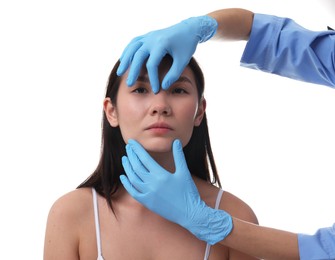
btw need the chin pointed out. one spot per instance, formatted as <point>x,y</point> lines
<point>158,145</point>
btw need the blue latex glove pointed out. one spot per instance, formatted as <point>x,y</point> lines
<point>172,196</point>
<point>179,40</point>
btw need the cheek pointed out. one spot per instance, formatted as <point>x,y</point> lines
<point>188,124</point>
<point>187,119</point>
<point>189,111</point>
<point>126,115</point>
<point>129,115</point>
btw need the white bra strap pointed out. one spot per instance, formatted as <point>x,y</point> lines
<point>218,199</point>
<point>96,220</point>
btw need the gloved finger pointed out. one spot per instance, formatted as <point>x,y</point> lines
<point>146,160</point>
<point>182,172</point>
<point>173,74</point>
<point>179,157</point>
<point>127,56</point>
<point>136,164</point>
<point>136,65</point>
<point>130,45</point>
<point>154,80</point>
<point>153,62</point>
<point>129,187</point>
<point>133,178</point>
<point>141,198</point>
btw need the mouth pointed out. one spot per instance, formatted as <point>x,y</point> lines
<point>160,125</point>
<point>160,128</point>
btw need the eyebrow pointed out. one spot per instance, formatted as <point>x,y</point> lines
<point>145,79</point>
<point>184,79</point>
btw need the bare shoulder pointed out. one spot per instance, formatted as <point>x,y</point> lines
<point>237,207</point>
<point>229,202</point>
<point>73,203</point>
<point>68,218</point>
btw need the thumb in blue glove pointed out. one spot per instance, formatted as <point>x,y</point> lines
<point>179,41</point>
<point>173,196</point>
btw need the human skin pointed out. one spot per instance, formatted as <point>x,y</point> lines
<point>233,24</point>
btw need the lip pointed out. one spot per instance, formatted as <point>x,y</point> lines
<point>159,125</point>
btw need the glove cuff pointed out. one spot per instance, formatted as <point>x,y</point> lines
<point>214,228</point>
<point>220,225</point>
<point>206,26</point>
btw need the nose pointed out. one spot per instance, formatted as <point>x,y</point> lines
<point>160,104</point>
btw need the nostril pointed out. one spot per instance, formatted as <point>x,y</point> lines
<point>161,110</point>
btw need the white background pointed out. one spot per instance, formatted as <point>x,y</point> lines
<point>273,138</point>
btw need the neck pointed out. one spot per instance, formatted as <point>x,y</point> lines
<point>165,160</point>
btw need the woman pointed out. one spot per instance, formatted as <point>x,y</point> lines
<point>116,226</point>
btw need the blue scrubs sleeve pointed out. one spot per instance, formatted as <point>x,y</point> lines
<point>319,246</point>
<point>281,46</point>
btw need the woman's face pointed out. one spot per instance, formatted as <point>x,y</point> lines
<point>155,120</point>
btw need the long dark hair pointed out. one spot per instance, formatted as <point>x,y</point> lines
<point>198,152</point>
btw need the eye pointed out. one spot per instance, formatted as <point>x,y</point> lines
<point>178,90</point>
<point>140,90</point>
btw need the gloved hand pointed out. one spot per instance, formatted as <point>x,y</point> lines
<point>179,40</point>
<point>173,196</point>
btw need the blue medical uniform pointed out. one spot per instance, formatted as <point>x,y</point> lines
<point>281,46</point>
